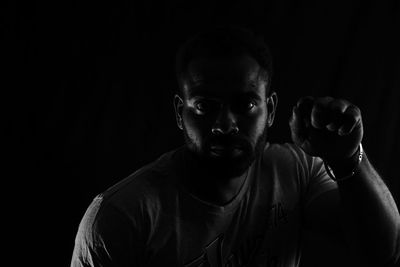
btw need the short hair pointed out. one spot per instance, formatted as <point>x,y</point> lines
<point>224,42</point>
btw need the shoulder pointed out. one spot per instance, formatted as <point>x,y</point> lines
<point>146,180</point>
<point>288,157</point>
<point>136,194</point>
<point>118,221</point>
<point>285,153</point>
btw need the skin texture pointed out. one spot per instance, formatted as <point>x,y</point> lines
<point>225,130</point>
<point>225,114</point>
<point>326,127</point>
<point>360,219</point>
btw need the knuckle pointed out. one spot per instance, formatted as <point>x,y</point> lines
<point>356,110</point>
<point>305,100</point>
<point>337,107</point>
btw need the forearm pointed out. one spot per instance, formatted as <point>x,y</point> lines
<point>332,129</point>
<point>371,220</point>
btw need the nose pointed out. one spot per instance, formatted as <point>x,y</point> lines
<point>226,123</point>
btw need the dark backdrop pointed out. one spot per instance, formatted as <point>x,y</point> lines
<point>88,91</point>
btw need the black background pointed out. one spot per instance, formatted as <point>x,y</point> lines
<point>88,87</point>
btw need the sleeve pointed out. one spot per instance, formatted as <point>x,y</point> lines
<point>314,180</point>
<point>106,238</point>
<point>319,181</point>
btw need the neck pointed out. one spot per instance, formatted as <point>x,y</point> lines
<point>209,186</point>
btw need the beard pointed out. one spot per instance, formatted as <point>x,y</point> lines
<point>224,167</point>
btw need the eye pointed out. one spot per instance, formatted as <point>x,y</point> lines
<point>201,105</point>
<point>250,105</point>
<point>246,105</point>
<point>205,106</point>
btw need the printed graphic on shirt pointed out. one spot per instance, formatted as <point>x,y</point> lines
<point>249,250</point>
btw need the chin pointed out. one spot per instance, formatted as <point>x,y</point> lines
<point>224,167</point>
<point>231,168</point>
<point>222,163</point>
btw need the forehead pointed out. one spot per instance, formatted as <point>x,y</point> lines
<point>224,77</point>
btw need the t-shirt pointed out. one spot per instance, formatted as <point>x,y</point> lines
<point>149,219</point>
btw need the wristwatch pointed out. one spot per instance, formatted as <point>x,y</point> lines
<point>349,175</point>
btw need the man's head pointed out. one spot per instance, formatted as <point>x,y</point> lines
<point>225,104</point>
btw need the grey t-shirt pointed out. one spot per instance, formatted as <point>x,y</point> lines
<point>149,219</point>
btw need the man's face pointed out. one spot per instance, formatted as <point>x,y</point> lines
<point>224,113</point>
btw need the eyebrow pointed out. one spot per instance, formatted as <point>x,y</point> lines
<point>252,94</point>
<point>209,93</point>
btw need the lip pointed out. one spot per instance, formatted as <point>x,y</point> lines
<point>226,147</point>
<point>226,151</point>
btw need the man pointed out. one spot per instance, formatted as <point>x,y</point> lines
<point>229,197</point>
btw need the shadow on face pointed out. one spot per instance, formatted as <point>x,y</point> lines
<point>225,110</point>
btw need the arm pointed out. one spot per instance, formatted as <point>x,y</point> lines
<point>105,238</point>
<point>371,220</point>
<point>362,209</point>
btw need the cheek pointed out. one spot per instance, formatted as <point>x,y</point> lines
<point>197,127</point>
<point>255,124</point>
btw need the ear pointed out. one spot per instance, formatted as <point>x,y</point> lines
<point>272,102</point>
<point>178,105</point>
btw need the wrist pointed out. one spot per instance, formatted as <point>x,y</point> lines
<point>345,168</point>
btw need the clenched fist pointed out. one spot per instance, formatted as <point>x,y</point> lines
<point>326,127</point>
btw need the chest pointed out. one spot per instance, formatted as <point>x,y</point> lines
<point>263,230</point>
